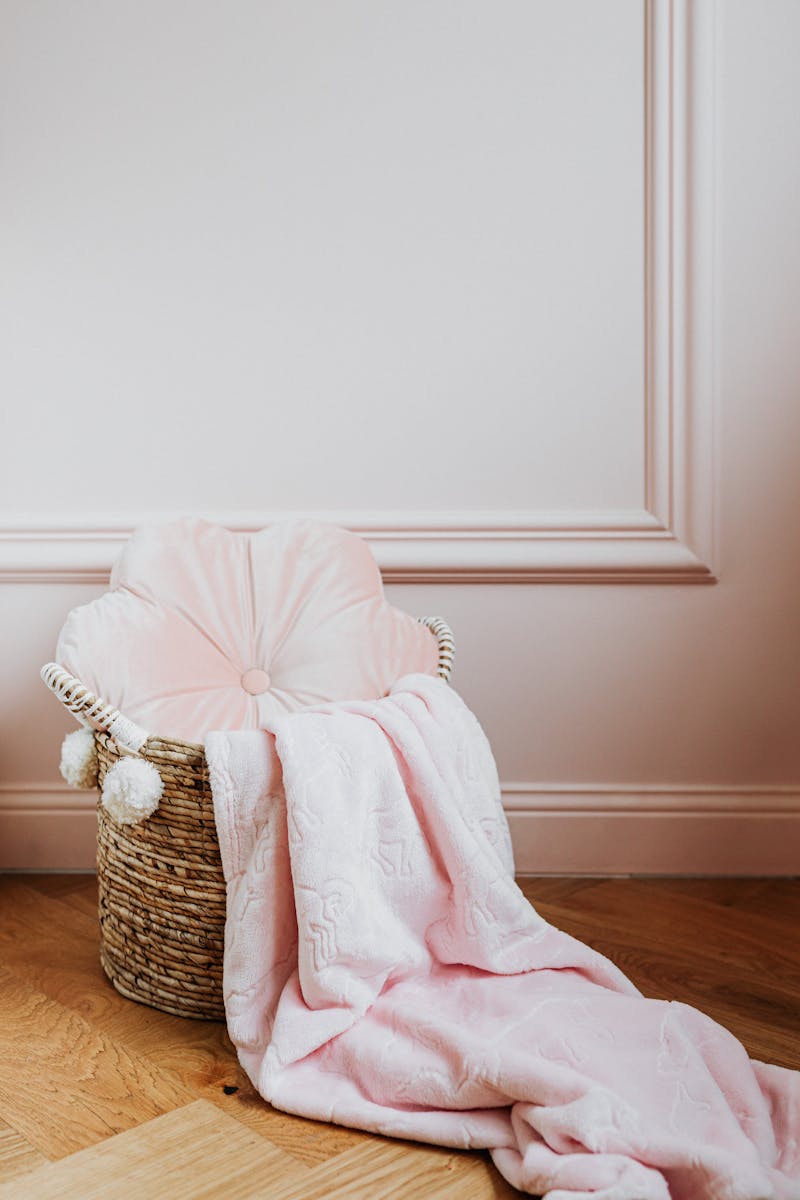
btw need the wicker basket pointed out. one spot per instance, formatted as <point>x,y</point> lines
<point>161,887</point>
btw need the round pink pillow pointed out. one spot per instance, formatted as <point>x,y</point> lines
<point>209,629</point>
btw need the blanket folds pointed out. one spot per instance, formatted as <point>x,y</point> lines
<point>383,971</point>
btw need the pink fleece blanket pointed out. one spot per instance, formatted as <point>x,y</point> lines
<point>383,971</point>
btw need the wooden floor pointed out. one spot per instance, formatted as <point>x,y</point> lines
<point>101,1097</point>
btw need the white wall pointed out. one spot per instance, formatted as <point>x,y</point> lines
<point>512,288</point>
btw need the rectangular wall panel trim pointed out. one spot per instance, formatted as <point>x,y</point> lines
<point>670,538</point>
<point>468,547</point>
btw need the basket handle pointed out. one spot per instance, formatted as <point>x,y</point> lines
<point>447,646</point>
<point>91,711</point>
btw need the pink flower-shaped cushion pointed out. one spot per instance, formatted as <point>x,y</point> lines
<point>208,629</point>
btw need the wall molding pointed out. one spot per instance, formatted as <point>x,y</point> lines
<point>601,798</point>
<point>670,538</point>
<point>607,829</point>
<point>570,829</point>
<point>465,547</point>
<point>680,253</point>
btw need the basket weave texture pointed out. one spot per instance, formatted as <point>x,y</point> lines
<point>161,888</point>
<point>161,885</point>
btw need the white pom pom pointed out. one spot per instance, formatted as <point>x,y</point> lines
<point>131,790</point>
<point>79,759</point>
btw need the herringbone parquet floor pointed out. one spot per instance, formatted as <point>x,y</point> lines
<point>101,1097</point>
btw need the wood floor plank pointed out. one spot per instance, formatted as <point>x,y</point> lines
<point>733,954</point>
<point>17,1155</point>
<point>395,1170</point>
<point>556,888</point>
<point>311,1142</point>
<point>729,935</point>
<point>65,1084</point>
<point>698,953</point>
<point>84,1067</point>
<point>693,926</point>
<point>54,885</point>
<point>54,949</point>
<point>84,898</point>
<point>189,1154</point>
<point>775,900</point>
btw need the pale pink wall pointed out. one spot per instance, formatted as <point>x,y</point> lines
<point>669,711</point>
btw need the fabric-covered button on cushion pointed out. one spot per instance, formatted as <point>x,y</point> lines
<point>209,629</point>
<point>255,681</point>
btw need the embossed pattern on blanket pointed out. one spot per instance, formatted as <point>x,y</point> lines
<point>383,971</point>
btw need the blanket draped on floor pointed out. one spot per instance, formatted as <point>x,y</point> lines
<point>383,971</point>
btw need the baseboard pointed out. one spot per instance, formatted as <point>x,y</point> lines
<point>656,844</point>
<point>606,829</point>
<point>46,827</point>
<point>571,829</point>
